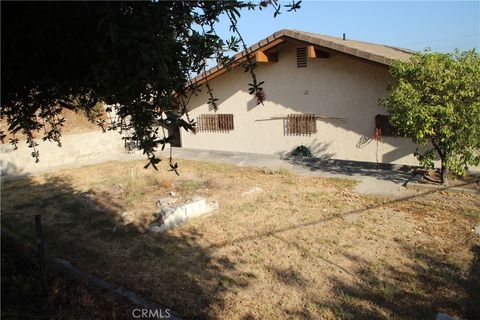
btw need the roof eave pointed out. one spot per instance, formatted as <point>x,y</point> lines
<point>298,36</point>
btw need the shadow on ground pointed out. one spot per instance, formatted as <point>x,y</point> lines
<point>420,289</point>
<point>381,171</point>
<point>175,270</point>
<point>416,290</point>
<point>171,269</point>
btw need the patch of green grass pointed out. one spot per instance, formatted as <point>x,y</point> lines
<point>246,206</point>
<point>418,290</point>
<point>312,196</point>
<point>385,289</point>
<point>358,224</point>
<point>279,171</point>
<point>381,235</point>
<point>190,185</point>
<point>337,215</point>
<point>224,279</point>
<point>346,297</point>
<point>134,196</point>
<point>475,213</point>
<point>341,313</point>
<point>328,241</point>
<point>205,167</point>
<point>344,183</point>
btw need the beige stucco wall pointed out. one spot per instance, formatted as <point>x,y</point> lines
<point>340,86</point>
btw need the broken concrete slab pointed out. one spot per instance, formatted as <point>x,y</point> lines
<point>171,217</point>
<point>197,207</point>
<point>166,202</point>
<point>154,227</point>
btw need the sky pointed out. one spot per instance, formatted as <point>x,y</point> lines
<point>442,25</point>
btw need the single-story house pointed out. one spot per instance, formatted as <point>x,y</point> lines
<point>321,92</point>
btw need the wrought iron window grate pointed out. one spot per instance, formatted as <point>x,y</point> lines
<point>215,123</point>
<point>301,124</point>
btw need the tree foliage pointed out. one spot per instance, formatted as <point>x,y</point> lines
<point>135,56</point>
<point>436,102</point>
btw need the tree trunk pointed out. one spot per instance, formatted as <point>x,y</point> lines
<point>443,156</point>
<point>443,173</point>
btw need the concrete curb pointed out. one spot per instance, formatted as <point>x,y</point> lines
<point>429,187</point>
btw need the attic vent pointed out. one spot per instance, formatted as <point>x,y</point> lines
<point>301,57</point>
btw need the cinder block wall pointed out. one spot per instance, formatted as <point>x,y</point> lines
<point>80,148</point>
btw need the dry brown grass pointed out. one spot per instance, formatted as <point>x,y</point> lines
<point>75,122</point>
<point>305,247</point>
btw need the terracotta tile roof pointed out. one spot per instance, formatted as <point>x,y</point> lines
<point>374,52</point>
<point>371,51</point>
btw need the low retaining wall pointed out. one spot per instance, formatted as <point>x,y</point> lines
<point>81,148</point>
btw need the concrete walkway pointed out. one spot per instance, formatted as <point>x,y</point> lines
<point>375,179</point>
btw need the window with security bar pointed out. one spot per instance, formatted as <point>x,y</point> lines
<point>301,124</point>
<point>383,128</point>
<point>214,123</point>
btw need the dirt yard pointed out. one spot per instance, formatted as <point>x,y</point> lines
<point>301,248</point>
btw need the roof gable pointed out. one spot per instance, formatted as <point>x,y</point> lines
<point>378,53</point>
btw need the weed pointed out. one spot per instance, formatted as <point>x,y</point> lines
<point>189,185</point>
<point>246,206</point>
<point>345,297</point>
<point>150,181</point>
<point>472,213</point>
<point>341,313</point>
<point>328,241</point>
<point>217,167</point>
<point>133,197</point>
<point>343,183</point>
<point>312,196</point>
<point>280,171</point>
<point>385,289</point>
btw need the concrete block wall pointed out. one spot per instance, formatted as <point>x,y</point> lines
<point>80,148</point>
